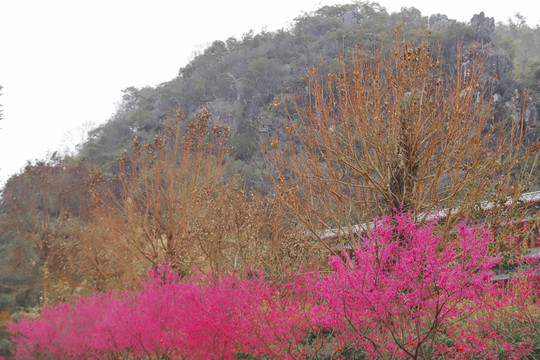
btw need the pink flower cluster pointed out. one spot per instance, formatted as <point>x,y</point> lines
<point>403,295</point>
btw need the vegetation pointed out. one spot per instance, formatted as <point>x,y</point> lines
<point>394,131</point>
<point>170,203</point>
<point>392,300</point>
<point>359,114</point>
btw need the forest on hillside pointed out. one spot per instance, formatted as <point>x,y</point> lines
<point>263,142</point>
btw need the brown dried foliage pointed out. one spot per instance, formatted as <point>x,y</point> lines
<point>174,203</point>
<point>43,205</point>
<point>392,132</point>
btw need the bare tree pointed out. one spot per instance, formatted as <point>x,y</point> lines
<point>174,202</point>
<point>393,131</point>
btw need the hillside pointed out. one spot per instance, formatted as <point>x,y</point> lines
<point>241,78</point>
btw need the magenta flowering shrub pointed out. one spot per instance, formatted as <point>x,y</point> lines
<point>188,319</point>
<point>81,330</point>
<point>203,318</point>
<point>403,295</point>
<point>406,295</point>
<point>283,326</point>
<point>513,327</point>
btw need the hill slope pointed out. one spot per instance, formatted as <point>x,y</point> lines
<point>241,78</point>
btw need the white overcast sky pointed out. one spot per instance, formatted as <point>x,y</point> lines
<point>63,64</point>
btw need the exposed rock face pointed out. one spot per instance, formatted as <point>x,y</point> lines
<point>438,20</point>
<point>501,63</point>
<point>531,117</point>
<point>350,18</point>
<point>509,103</point>
<point>485,28</point>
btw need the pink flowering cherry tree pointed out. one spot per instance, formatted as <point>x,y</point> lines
<point>404,294</point>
